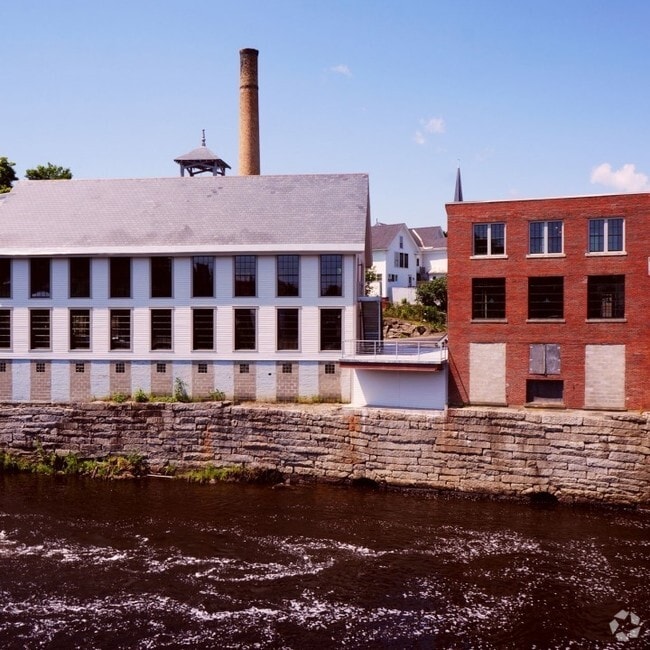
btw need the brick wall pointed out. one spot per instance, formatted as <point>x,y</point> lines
<point>202,382</point>
<point>40,381</point>
<point>573,333</point>
<point>80,381</point>
<point>6,384</point>
<point>120,382</point>
<point>161,381</point>
<point>287,381</point>
<point>329,383</point>
<point>576,456</point>
<point>245,380</point>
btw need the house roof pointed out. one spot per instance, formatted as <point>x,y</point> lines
<point>209,213</point>
<point>383,234</point>
<point>430,237</point>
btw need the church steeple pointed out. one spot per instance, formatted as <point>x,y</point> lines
<point>201,160</point>
<point>458,192</point>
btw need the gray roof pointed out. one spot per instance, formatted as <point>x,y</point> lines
<point>183,215</point>
<point>430,237</point>
<point>384,233</point>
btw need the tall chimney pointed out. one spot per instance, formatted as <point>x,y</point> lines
<point>249,119</point>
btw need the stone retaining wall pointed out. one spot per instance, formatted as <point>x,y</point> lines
<point>575,456</point>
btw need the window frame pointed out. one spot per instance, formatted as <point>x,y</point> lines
<point>330,341</point>
<point>42,275</point>
<point>115,330</point>
<point>79,277</point>
<point>5,328</point>
<point>490,239</point>
<point>291,286</point>
<point>5,277</point>
<point>245,276</point>
<point>331,268</point>
<point>546,237</point>
<point>120,275</point>
<point>195,337</point>
<point>290,336</point>
<point>161,329</point>
<point>597,286</point>
<point>161,276</point>
<point>542,302</point>
<point>46,314</point>
<point>244,341</point>
<point>203,283</point>
<point>605,236</point>
<point>71,329</point>
<point>498,298</point>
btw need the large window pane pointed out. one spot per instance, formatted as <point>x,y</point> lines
<point>79,277</point>
<point>79,329</point>
<point>161,277</point>
<point>245,275</point>
<point>5,278</point>
<point>5,328</point>
<point>331,275</point>
<point>39,329</point>
<point>245,329</point>
<point>120,329</point>
<point>288,272</point>
<point>161,329</point>
<point>546,297</point>
<point>287,329</point>
<point>488,298</point>
<point>203,276</point>
<point>120,277</point>
<point>39,277</point>
<point>330,329</point>
<point>202,329</point>
<point>606,296</point>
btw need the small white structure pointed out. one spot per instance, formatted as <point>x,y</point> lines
<point>432,245</point>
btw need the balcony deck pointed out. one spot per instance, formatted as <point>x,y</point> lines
<point>396,354</point>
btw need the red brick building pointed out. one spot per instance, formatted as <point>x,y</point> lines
<point>549,302</point>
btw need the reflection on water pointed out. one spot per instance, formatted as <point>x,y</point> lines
<point>165,564</point>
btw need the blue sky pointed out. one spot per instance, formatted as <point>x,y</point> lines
<point>533,98</point>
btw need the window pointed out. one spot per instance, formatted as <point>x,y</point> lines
<point>545,237</point>
<point>5,328</point>
<point>287,368</point>
<point>5,278</point>
<point>287,329</point>
<point>39,329</point>
<point>39,277</point>
<point>120,277</point>
<point>546,297</point>
<point>401,241</point>
<point>544,391</point>
<point>161,277</point>
<point>606,296</point>
<point>80,367</point>
<point>80,329</point>
<point>401,260</point>
<point>392,277</point>
<point>489,239</point>
<point>161,329</point>
<point>120,329</point>
<point>488,298</point>
<point>202,368</point>
<point>3,366</point>
<point>120,368</point>
<point>606,235</point>
<point>330,369</point>
<point>288,272</point>
<point>330,329</point>
<point>79,277</point>
<point>245,275</point>
<point>244,329</point>
<point>244,368</point>
<point>331,275</point>
<point>203,329</point>
<point>544,359</point>
<point>40,366</point>
<point>161,368</point>
<point>202,277</point>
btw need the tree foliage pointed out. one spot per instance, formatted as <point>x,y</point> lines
<point>7,174</point>
<point>48,172</point>
<point>371,277</point>
<point>433,294</point>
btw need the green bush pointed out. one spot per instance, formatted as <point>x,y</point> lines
<point>140,396</point>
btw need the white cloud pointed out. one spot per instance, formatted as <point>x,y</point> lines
<point>625,179</point>
<point>435,125</point>
<point>341,69</point>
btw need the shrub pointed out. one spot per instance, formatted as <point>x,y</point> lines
<point>140,396</point>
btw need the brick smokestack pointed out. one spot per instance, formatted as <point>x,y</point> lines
<point>249,119</point>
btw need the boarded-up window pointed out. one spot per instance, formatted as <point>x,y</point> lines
<point>544,359</point>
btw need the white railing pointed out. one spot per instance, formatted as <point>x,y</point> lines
<point>395,351</point>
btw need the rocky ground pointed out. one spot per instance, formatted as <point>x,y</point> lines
<point>394,328</point>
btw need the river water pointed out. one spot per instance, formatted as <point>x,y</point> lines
<point>156,563</point>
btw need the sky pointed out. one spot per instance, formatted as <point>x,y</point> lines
<point>531,98</point>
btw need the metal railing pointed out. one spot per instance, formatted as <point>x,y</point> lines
<point>395,351</point>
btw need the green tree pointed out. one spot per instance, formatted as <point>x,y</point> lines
<point>371,276</point>
<point>7,174</point>
<point>48,172</point>
<point>433,294</point>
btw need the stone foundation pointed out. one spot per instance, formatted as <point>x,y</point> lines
<point>575,456</point>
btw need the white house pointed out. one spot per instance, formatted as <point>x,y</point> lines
<point>432,245</point>
<point>248,285</point>
<point>396,259</point>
